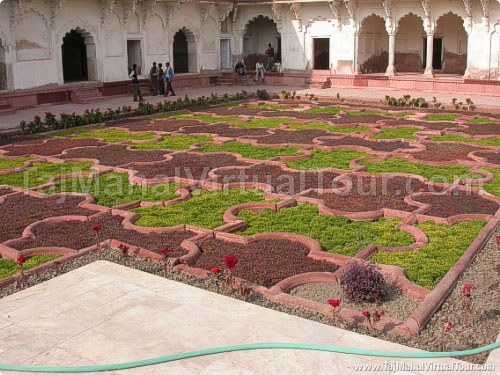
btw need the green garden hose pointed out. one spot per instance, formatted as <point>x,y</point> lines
<point>237,348</point>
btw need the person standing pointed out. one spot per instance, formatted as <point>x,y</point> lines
<point>169,77</point>
<point>259,70</point>
<point>135,82</point>
<point>240,68</point>
<point>270,57</point>
<point>153,80</point>
<point>161,88</point>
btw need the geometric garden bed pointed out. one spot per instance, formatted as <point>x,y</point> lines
<point>296,191</point>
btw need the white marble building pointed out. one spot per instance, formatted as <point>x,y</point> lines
<point>44,42</point>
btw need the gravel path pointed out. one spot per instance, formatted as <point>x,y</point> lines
<point>397,305</point>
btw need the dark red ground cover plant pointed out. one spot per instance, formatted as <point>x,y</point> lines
<point>192,166</point>
<point>445,151</point>
<point>386,146</point>
<point>114,155</point>
<point>225,130</point>
<point>370,193</point>
<point>78,235</point>
<point>282,136</point>
<point>23,210</point>
<point>52,147</point>
<point>458,203</point>
<point>284,182</point>
<point>264,262</point>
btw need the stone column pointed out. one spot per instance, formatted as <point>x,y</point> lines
<point>356,53</point>
<point>391,69</point>
<point>429,71</point>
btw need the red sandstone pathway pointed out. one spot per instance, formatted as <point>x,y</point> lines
<point>350,93</point>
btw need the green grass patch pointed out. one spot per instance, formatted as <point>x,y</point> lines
<point>173,143</point>
<point>68,132</point>
<point>113,189</point>
<point>482,120</point>
<point>339,159</point>
<point>272,123</point>
<point>457,138</point>
<point>428,265</point>
<point>253,152</point>
<point>330,128</point>
<point>493,187</point>
<point>445,174</point>
<point>396,133</point>
<point>331,110</point>
<point>440,117</point>
<point>209,119</point>
<point>9,268</point>
<point>335,234</point>
<point>41,173</point>
<point>204,209</point>
<point>365,112</point>
<point>274,107</point>
<point>399,115</point>
<point>168,115</point>
<point>11,164</point>
<point>115,135</point>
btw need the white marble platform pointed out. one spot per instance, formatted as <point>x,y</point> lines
<point>104,313</point>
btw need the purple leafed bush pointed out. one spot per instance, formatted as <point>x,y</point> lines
<point>363,282</point>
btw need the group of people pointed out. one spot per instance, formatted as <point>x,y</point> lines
<point>259,66</point>
<point>160,81</point>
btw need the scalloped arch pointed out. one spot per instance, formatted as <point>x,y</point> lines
<point>368,16</point>
<point>113,13</point>
<point>270,18</point>
<point>450,12</point>
<point>186,30</point>
<point>410,13</point>
<point>82,27</point>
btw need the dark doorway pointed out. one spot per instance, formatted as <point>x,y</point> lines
<point>437,53</point>
<point>181,61</point>
<point>74,56</point>
<point>3,68</point>
<point>322,53</point>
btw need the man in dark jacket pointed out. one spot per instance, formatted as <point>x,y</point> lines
<point>135,82</point>
<point>240,68</point>
<point>161,86</point>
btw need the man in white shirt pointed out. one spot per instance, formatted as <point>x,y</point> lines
<point>259,70</point>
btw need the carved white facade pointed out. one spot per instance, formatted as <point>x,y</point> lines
<point>357,36</point>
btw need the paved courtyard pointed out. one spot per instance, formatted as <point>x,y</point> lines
<point>104,313</point>
<point>370,95</point>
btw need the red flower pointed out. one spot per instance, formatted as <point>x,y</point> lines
<point>231,262</point>
<point>334,302</point>
<point>165,250</point>
<point>57,263</point>
<point>448,326</point>
<point>97,228</point>
<point>468,289</point>
<point>215,270</point>
<point>497,238</point>
<point>124,249</point>
<point>366,313</point>
<point>21,260</point>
